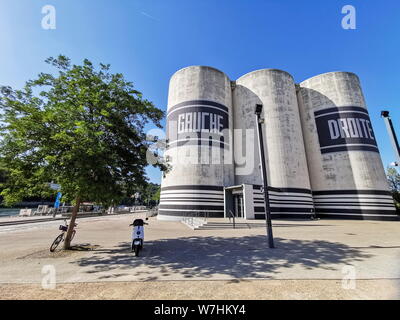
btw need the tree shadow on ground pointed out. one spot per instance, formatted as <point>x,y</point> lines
<point>208,256</point>
<point>83,247</point>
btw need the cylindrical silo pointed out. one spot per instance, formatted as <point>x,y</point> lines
<point>346,172</point>
<point>199,121</point>
<point>287,171</point>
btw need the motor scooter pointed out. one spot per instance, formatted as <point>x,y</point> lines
<point>137,235</point>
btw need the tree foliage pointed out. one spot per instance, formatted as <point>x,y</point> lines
<point>394,183</point>
<point>394,179</point>
<point>151,193</point>
<point>82,128</point>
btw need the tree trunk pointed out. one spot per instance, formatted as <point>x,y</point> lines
<point>67,241</point>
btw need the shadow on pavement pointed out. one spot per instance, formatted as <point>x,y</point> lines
<point>237,257</point>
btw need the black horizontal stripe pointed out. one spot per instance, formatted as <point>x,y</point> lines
<point>191,200</point>
<point>357,217</point>
<point>354,198</point>
<point>341,109</point>
<point>291,200</point>
<point>193,187</point>
<point>349,148</point>
<point>295,190</point>
<point>355,201</point>
<point>347,192</point>
<point>330,216</point>
<point>289,190</point>
<point>198,196</point>
<point>353,211</point>
<point>218,214</point>
<point>284,209</point>
<point>276,215</point>
<point>198,103</point>
<point>343,204</point>
<point>371,204</point>
<point>173,116</point>
<point>358,214</point>
<point>283,197</point>
<point>335,205</point>
<point>192,194</point>
<point>285,193</point>
<point>283,202</point>
<point>190,207</point>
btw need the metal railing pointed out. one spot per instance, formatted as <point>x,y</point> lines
<point>152,212</point>
<point>231,215</point>
<point>196,219</point>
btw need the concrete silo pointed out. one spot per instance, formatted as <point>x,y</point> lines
<point>287,171</point>
<point>346,172</point>
<point>199,120</point>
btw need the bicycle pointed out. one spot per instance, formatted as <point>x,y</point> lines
<point>61,237</point>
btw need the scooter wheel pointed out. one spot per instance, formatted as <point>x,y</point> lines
<point>136,251</point>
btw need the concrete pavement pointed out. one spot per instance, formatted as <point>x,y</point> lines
<point>307,252</point>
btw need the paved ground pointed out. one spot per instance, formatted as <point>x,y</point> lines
<point>312,259</point>
<point>207,290</point>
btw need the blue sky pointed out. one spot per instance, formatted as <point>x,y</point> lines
<point>149,40</point>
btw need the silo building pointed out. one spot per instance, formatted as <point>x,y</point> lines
<point>320,149</point>
<point>199,121</point>
<point>346,172</point>
<point>289,183</point>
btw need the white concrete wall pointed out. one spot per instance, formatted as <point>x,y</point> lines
<point>248,201</point>
<point>286,161</point>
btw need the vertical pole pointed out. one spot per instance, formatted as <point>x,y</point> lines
<point>264,177</point>
<point>392,134</point>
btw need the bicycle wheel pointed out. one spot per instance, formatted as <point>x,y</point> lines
<point>56,242</point>
<point>73,234</point>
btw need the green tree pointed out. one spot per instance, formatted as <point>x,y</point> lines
<point>394,182</point>
<point>393,178</point>
<point>3,179</point>
<point>156,195</point>
<point>82,128</point>
<point>149,193</point>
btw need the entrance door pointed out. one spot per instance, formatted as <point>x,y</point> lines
<point>238,205</point>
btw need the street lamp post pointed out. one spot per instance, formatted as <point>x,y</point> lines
<point>264,176</point>
<point>392,135</point>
